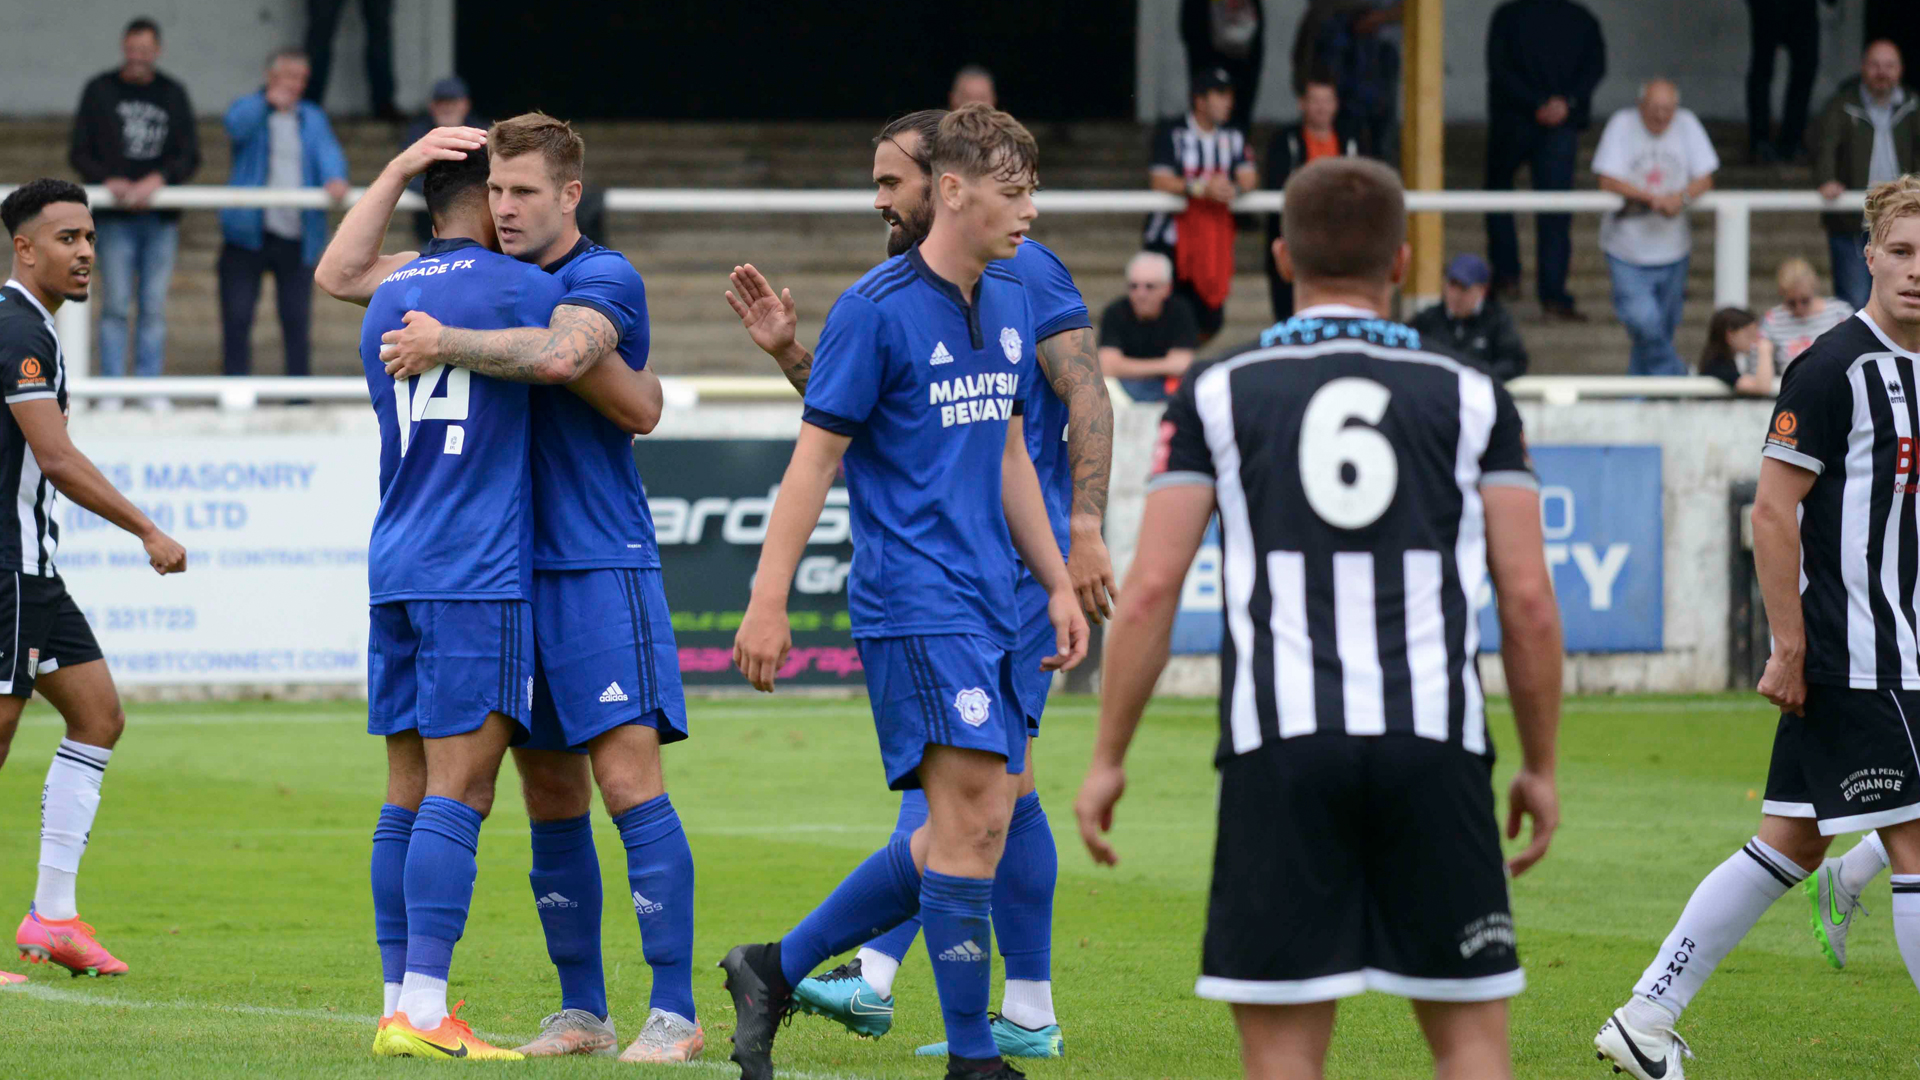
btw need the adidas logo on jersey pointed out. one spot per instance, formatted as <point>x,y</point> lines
<point>555,900</point>
<point>940,355</point>
<point>612,694</point>
<point>966,951</point>
<point>644,906</point>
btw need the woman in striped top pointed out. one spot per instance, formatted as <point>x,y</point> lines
<point>1802,315</point>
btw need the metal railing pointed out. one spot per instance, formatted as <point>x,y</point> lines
<point>1732,213</point>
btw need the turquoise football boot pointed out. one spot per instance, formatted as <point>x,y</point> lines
<point>1014,1041</point>
<point>843,995</point>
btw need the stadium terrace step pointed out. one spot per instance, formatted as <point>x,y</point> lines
<point>685,257</point>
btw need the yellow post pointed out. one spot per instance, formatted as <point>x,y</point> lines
<point>1422,139</point>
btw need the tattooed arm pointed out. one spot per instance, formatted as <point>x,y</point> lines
<point>1072,367</point>
<point>560,352</point>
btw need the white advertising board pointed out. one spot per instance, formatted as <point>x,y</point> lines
<point>275,528</point>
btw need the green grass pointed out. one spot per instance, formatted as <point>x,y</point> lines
<point>228,867</point>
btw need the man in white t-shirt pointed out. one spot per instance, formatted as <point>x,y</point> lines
<point>1659,158</point>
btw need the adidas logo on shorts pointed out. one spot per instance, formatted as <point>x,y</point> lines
<point>965,951</point>
<point>644,906</point>
<point>612,693</point>
<point>555,900</point>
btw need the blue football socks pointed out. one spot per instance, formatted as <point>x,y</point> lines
<point>660,873</point>
<point>439,884</point>
<point>956,913</point>
<point>566,893</point>
<point>877,896</point>
<point>913,814</point>
<point>389,875</point>
<point>1023,893</point>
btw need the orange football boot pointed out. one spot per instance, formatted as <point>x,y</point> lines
<point>453,1039</point>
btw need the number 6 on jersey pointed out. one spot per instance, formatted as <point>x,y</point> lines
<point>1349,472</point>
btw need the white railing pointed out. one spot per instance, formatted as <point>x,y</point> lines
<point>1732,248</point>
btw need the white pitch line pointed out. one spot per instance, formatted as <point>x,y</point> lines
<point>72,997</point>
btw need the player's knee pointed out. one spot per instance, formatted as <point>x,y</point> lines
<point>554,795</point>
<point>102,728</point>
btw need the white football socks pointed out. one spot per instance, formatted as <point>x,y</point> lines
<point>424,999</point>
<point>878,969</point>
<point>393,999</point>
<point>67,806</point>
<point>1859,866</point>
<point>1028,1002</point>
<point>1721,911</point>
<point>1906,921</point>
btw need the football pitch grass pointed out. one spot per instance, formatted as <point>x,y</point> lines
<point>228,867</point>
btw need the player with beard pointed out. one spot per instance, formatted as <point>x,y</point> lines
<point>52,649</point>
<point>1069,429</point>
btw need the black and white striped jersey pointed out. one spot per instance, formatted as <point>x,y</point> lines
<point>1181,149</point>
<point>31,369</point>
<point>1847,413</point>
<point>1347,464</point>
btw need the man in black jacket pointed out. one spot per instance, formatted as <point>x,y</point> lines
<point>1544,59</point>
<point>1472,324</point>
<point>134,133</point>
<point>1317,135</point>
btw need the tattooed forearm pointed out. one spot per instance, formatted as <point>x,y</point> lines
<point>559,352</point>
<point>1072,365</point>
<point>797,365</point>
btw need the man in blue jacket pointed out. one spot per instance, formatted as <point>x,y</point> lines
<point>279,141</point>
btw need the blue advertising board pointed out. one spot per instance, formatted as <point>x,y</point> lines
<point>1600,514</point>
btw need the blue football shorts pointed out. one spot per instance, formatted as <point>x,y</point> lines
<point>605,657</point>
<point>1037,642</point>
<point>944,690</point>
<point>440,666</point>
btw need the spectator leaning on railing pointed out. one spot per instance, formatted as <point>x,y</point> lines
<point>1147,337</point>
<point>1209,161</point>
<point>1733,354</point>
<point>279,141</point>
<point>1659,158</point>
<point>1317,135</point>
<point>1869,134</point>
<point>1471,323</point>
<point>134,133</point>
<point>1802,315</point>
<point>1544,59</point>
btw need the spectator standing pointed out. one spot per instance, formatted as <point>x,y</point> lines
<point>1471,323</point>
<point>1795,26</point>
<point>1147,337</point>
<point>1229,35</point>
<point>1659,158</point>
<point>1803,314</point>
<point>1733,354</point>
<point>1207,159</point>
<point>323,21</point>
<point>1869,134</point>
<point>134,133</point>
<point>1317,135</point>
<point>279,141</point>
<point>1357,43</point>
<point>970,84</point>
<point>1544,59</point>
<point>448,105</point>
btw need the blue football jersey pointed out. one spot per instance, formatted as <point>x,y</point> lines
<point>924,383</point>
<point>1057,307</point>
<point>590,510</point>
<point>455,518</point>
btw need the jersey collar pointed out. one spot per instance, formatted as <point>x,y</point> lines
<point>15,285</point>
<point>1335,311</point>
<point>1863,317</point>
<point>951,291</point>
<point>580,247</point>
<point>437,246</point>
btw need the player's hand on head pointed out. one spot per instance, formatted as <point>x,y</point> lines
<point>1070,632</point>
<point>440,144</point>
<point>1099,794</point>
<point>761,645</point>
<point>413,348</point>
<point>767,316</point>
<point>1092,571</point>
<point>1784,683</point>
<point>1533,795</point>
<point>165,553</point>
